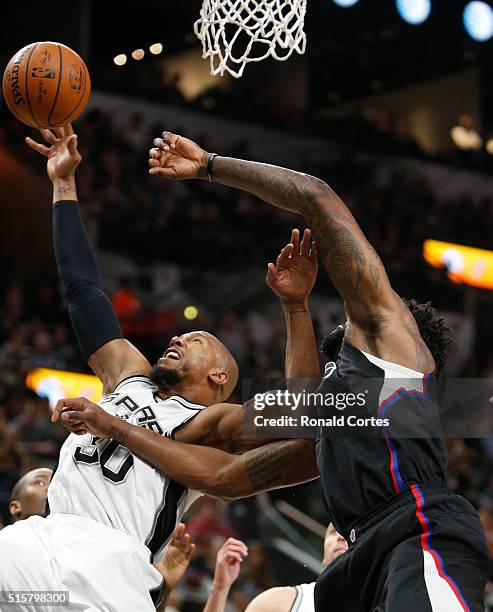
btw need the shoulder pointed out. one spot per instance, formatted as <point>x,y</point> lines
<point>273,600</point>
<point>133,382</point>
<point>182,402</point>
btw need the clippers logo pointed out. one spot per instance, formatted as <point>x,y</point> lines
<point>330,368</point>
<point>13,78</point>
<point>43,73</point>
<point>76,79</point>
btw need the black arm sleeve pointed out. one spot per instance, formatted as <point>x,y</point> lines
<point>91,312</point>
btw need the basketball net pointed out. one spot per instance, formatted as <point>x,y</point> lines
<point>272,27</point>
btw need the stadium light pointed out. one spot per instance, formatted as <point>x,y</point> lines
<point>156,48</point>
<point>489,146</point>
<point>138,54</point>
<point>190,313</point>
<point>120,60</point>
<point>414,11</point>
<point>478,20</point>
<point>345,3</point>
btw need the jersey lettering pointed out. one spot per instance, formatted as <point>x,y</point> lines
<point>91,455</point>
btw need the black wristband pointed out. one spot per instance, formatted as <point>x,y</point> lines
<point>210,166</point>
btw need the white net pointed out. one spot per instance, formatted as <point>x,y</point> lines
<point>234,33</point>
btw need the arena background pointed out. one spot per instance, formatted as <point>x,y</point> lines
<point>369,108</point>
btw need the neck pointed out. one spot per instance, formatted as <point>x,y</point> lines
<point>204,397</point>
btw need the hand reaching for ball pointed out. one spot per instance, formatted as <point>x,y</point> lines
<point>62,153</point>
<point>176,157</point>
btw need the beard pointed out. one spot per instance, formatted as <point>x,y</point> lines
<point>164,378</point>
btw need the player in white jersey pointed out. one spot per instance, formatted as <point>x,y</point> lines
<point>300,597</point>
<point>111,511</point>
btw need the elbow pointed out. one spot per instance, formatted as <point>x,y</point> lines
<point>223,486</point>
<point>321,193</point>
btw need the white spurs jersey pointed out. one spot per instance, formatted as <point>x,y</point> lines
<point>103,481</point>
<point>304,601</point>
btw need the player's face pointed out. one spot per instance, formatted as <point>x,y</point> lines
<point>190,355</point>
<point>33,497</point>
<point>334,545</point>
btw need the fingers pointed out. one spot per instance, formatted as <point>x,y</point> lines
<point>60,132</point>
<point>295,240</point>
<point>36,146</point>
<point>188,547</point>
<point>154,153</point>
<point>305,243</point>
<point>232,558</point>
<point>69,130</point>
<point>57,411</point>
<point>178,533</point>
<point>170,139</point>
<point>71,417</point>
<point>74,403</point>
<point>165,172</point>
<point>72,144</point>
<point>285,254</point>
<point>313,252</point>
<point>233,545</point>
<point>160,144</point>
<point>48,135</point>
<point>271,274</point>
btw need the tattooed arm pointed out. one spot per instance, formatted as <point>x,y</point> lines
<point>275,465</point>
<point>220,474</point>
<point>378,320</point>
<point>349,259</point>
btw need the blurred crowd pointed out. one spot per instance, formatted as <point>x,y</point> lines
<point>201,227</point>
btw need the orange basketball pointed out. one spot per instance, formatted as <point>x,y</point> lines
<point>46,84</point>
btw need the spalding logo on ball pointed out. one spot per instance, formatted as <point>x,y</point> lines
<point>46,85</point>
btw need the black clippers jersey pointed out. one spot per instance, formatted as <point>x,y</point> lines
<point>361,470</point>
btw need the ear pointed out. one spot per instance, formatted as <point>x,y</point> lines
<point>219,377</point>
<point>15,508</point>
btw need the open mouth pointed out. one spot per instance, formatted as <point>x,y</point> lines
<point>172,354</point>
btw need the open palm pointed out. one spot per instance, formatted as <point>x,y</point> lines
<point>62,154</point>
<point>177,558</point>
<point>293,276</point>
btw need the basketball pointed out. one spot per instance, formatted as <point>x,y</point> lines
<point>46,85</point>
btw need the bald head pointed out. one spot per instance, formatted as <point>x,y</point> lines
<point>227,363</point>
<point>198,366</point>
<point>29,494</point>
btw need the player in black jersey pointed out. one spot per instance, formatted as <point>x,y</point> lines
<point>412,542</point>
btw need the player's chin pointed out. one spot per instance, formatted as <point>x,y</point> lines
<point>165,373</point>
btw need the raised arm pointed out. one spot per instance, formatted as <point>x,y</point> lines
<point>93,319</point>
<point>351,262</point>
<point>378,320</point>
<point>215,472</point>
<point>291,278</point>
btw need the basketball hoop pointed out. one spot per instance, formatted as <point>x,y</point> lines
<point>268,28</point>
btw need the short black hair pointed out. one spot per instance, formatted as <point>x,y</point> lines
<point>331,343</point>
<point>437,335</point>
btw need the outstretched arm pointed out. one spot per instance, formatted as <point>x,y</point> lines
<point>349,259</point>
<point>94,321</point>
<point>378,320</point>
<point>215,472</point>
